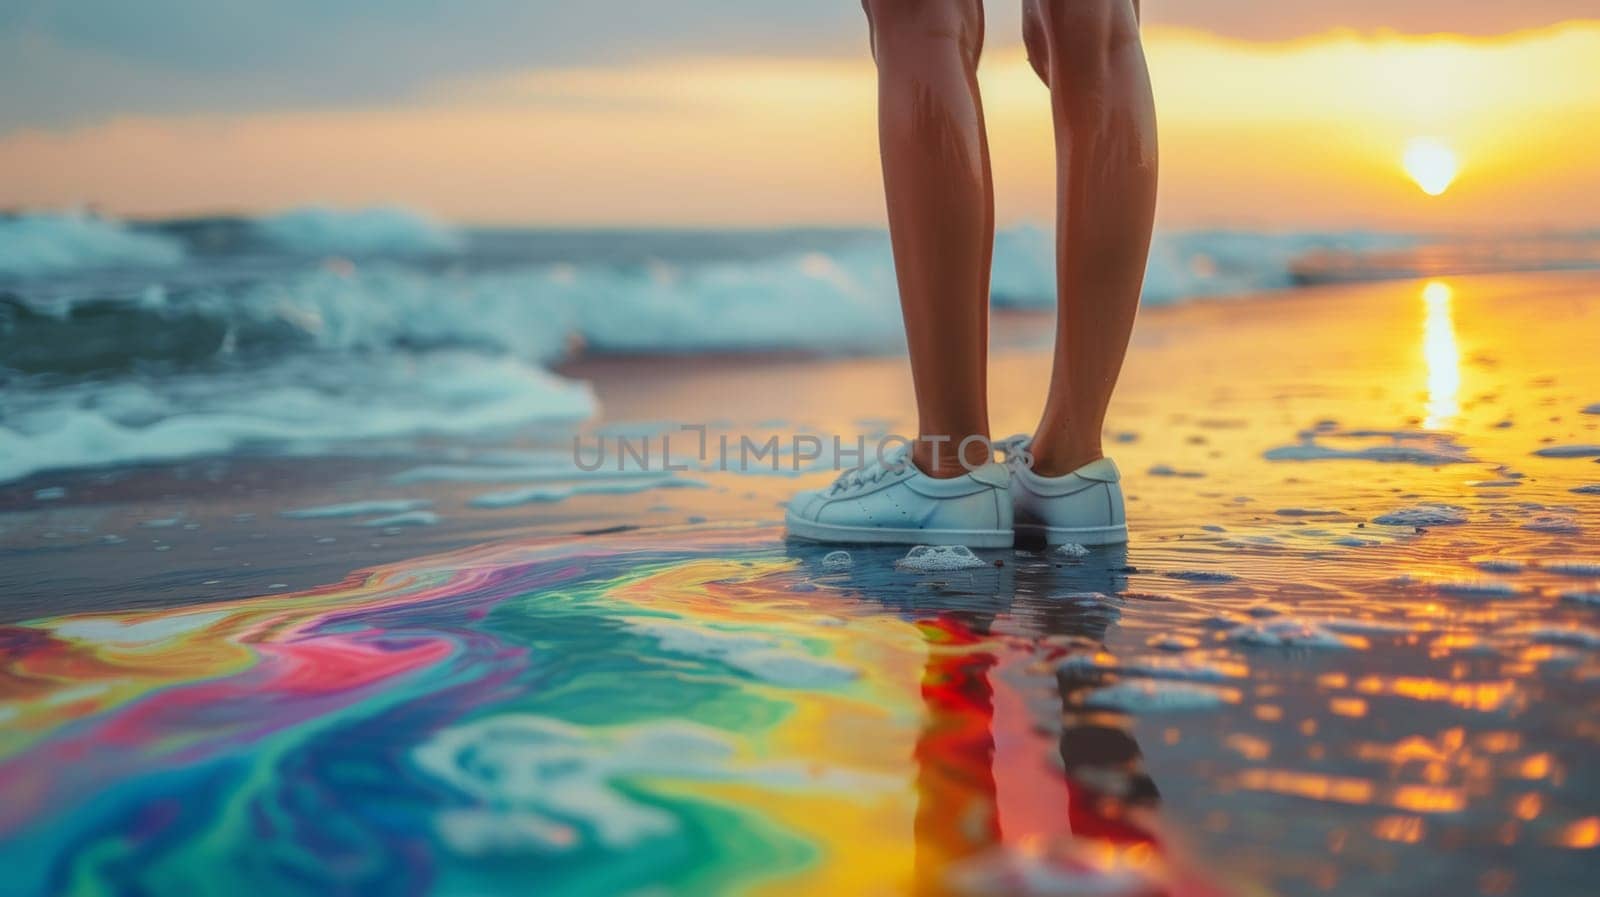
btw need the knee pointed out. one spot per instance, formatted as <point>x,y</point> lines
<point>1080,36</point>
<point>918,28</point>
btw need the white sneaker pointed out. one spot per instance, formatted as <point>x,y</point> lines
<point>896,503</point>
<point>1084,506</point>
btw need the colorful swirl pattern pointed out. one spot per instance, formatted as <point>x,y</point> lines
<point>679,714</point>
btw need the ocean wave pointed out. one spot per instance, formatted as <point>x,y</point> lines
<point>834,301</point>
<point>122,343</point>
<point>319,230</point>
<point>33,245</point>
<point>304,403</point>
<point>1183,264</point>
<point>810,302</point>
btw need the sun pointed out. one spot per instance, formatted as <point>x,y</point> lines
<point>1431,164</point>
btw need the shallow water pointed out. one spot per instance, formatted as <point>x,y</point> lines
<point>1366,670</point>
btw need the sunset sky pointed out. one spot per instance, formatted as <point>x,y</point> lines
<point>741,112</point>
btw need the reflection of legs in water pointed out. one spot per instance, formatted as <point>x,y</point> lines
<point>956,812</point>
<point>1104,767</point>
<point>984,775</point>
<point>969,802</point>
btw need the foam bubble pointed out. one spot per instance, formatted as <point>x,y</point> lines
<point>939,559</point>
<point>1070,551</point>
<point>837,560</point>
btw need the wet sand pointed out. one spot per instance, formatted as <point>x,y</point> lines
<point>1361,587</point>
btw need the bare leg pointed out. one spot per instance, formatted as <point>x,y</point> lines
<point>1089,54</point>
<point>941,211</point>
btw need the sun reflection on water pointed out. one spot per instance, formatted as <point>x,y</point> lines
<point>1441,354</point>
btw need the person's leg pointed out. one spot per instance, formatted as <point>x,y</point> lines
<point>941,211</point>
<point>1088,53</point>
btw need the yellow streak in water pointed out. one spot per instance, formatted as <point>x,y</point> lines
<point>1441,354</point>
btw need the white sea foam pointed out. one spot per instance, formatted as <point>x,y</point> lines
<point>1181,265</point>
<point>549,494</point>
<point>326,231</point>
<point>298,404</point>
<point>1398,447</point>
<point>39,244</point>
<point>1477,588</point>
<point>408,518</point>
<point>1286,632</point>
<point>557,469</point>
<point>358,508</point>
<point>1582,569</point>
<point>1160,696</point>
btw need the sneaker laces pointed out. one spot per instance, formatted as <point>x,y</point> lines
<point>869,474</point>
<point>1016,449</point>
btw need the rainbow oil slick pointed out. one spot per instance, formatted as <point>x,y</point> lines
<point>673,714</point>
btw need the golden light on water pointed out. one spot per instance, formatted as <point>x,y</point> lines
<point>1431,164</point>
<point>1441,355</point>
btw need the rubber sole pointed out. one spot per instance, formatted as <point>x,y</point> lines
<point>831,533</point>
<point>1087,536</point>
